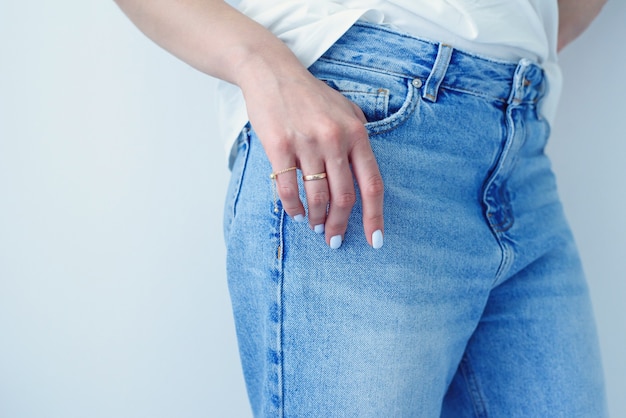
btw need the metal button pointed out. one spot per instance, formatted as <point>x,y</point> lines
<point>417,83</point>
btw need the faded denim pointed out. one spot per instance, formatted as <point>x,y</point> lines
<point>476,306</point>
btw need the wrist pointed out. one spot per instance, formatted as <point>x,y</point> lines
<point>266,65</point>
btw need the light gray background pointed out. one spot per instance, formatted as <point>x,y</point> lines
<point>113,301</point>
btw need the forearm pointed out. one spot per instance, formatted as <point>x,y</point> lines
<point>574,17</point>
<point>211,36</point>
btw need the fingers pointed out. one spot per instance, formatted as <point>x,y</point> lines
<point>371,187</point>
<point>317,195</point>
<point>330,192</point>
<point>343,196</point>
<point>320,132</point>
<point>342,199</point>
<point>287,189</point>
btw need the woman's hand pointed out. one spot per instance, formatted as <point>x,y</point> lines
<point>299,120</point>
<point>302,122</point>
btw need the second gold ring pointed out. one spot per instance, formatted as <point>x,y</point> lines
<point>318,176</point>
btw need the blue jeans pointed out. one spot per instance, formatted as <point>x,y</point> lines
<point>476,306</point>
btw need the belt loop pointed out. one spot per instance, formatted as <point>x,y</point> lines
<point>519,81</point>
<point>431,88</point>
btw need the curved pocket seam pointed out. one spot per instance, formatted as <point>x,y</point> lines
<point>233,196</point>
<point>397,118</point>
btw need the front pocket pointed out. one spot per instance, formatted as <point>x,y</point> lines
<point>386,99</point>
<point>373,101</point>
<point>408,103</point>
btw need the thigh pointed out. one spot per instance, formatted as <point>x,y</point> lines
<point>534,352</point>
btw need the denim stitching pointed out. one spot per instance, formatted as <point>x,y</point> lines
<point>234,198</point>
<point>515,140</point>
<point>276,353</point>
<point>437,73</point>
<point>473,388</point>
<point>279,333</point>
<point>368,67</point>
<point>420,76</point>
<point>472,92</point>
<point>399,117</point>
<point>244,148</point>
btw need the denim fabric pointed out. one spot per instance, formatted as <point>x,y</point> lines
<point>476,306</point>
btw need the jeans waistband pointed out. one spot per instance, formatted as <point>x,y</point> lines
<point>437,65</point>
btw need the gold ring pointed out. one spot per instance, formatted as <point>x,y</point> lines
<point>275,174</point>
<point>317,176</point>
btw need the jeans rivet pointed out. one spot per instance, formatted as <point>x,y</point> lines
<point>417,83</point>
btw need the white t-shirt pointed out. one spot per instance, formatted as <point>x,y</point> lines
<point>504,29</point>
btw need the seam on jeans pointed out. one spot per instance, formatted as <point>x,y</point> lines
<point>472,92</point>
<point>384,71</point>
<point>505,209</point>
<point>437,72</point>
<point>473,388</point>
<point>499,230</point>
<point>280,390</point>
<point>274,405</point>
<point>502,226</point>
<point>532,101</point>
<point>506,263</point>
<point>396,119</point>
<point>232,199</point>
<point>245,146</point>
<point>515,132</point>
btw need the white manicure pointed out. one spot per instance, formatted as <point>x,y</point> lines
<point>298,218</point>
<point>319,229</point>
<point>335,242</point>
<point>377,239</point>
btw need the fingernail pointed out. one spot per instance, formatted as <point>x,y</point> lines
<point>377,239</point>
<point>335,242</point>
<point>299,218</point>
<point>319,229</point>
